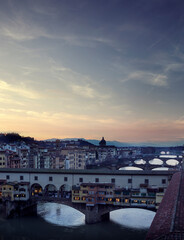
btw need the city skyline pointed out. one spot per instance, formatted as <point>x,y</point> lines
<point>88,69</point>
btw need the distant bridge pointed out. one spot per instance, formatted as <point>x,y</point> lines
<point>130,161</point>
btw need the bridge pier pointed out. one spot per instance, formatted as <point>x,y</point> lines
<point>94,215</point>
<point>15,209</point>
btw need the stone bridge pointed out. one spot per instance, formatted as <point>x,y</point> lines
<point>93,214</point>
<point>44,180</point>
<point>124,162</point>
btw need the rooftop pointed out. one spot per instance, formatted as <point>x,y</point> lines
<point>88,171</point>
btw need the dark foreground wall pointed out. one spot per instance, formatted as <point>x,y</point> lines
<point>164,219</point>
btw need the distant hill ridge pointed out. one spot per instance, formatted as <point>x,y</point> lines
<point>125,144</point>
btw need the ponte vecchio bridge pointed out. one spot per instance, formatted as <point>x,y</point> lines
<point>169,219</point>
<point>41,180</point>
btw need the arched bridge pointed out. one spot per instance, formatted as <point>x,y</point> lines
<point>131,161</point>
<point>93,214</point>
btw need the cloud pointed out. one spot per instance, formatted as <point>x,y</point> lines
<point>84,91</point>
<point>19,90</point>
<point>80,84</point>
<point>20,30</point>
<point>150,78</point>
<point>176,67</point>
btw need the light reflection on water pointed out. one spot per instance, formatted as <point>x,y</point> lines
<point>69,217</point>
<point>133,217</point>
<point>56,222</point>
<point>60,214</point>
<point>130,168</point>
<point>160,169</point>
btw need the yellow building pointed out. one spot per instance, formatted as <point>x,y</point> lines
<point>8,190</point>
<point>93,193</point>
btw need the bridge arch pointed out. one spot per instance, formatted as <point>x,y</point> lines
<point>156,161</point>
<point>133,217</point>
<point>172,162</point>
<point>109,209</point>
<point>65,215</point>
<point>140,161</point>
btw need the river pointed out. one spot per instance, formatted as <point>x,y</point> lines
<point>59,222</point>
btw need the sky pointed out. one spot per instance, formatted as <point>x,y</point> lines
<point>92,68</point>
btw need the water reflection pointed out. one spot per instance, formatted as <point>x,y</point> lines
<point>130,168</point>
<point>133,217</point>
<point>69,217</point>
<point>60,214</point>
<point>36,228</point>
<point>161,169</point>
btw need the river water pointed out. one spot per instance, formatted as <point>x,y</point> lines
<point>59,222</point>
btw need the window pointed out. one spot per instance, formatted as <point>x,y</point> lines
<point>129,180</point>
<point>21,177</point>
<point>65,179</point>
<point>36,178</point>
<point>146,181</point>
<point>7,176</point>
<point>112,180</point>
<point>163,181</point>
<point>91,192</point>
<point>126,200</point>
<point>96,179</point>
<point>22,190</point>
<point>80,179</point>
<point>50,179</point>
<point>76,198</point>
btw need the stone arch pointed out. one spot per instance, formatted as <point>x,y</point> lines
<point>50,190</point>
<point>65,191</point>
<point>105,211</point>
<point>172,162</point>
<point>156,162</point>
<point>36,190</point>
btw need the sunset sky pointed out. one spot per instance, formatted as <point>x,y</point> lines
<point>92,68</point>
